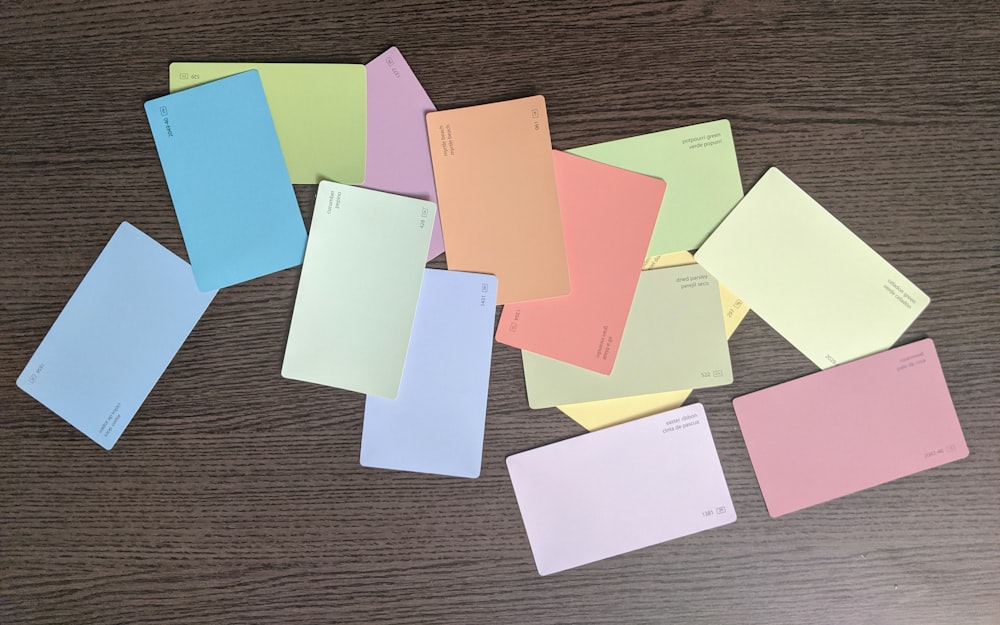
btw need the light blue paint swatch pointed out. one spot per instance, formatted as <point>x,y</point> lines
<point>436,423</point>
<point>115,336</point>
<point>228,181</point>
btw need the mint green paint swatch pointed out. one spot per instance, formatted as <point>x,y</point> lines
<point>699,166</point>
<point>358,291</point>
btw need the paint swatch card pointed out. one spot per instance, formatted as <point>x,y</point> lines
<point>674,339</point>
<point>630,486</point>
<point>228,182</point>
<point>318,108</point>
<point>703,179</point>
<point>436,422</point>
<point>596,415</point>
<point>358,289</point>
<point>809,277</point>
<point>857,425</point>
<point>496,191</point>
<point>115,336</point>
<point>608,216</point>
<point>398,156</point>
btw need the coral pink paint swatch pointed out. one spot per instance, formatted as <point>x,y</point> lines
<point>608,216</point>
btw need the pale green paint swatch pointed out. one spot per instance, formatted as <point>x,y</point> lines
<point>699,166</point>
<point>809,277</point>
<point>319,112</point>
<point>674,339</point>
<point>357,296</point>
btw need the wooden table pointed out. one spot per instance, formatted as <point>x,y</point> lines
<point>236,496</point>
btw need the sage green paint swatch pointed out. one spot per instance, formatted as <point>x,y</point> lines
<point>358,291</point>
<point>674,339</point>
<point>699,166</point>
<point>319,112</point>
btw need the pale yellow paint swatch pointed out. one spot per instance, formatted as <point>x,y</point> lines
<point>595,415</point>
<point>808,276</point>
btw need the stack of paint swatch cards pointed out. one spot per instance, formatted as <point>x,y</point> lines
<point>590,253</point>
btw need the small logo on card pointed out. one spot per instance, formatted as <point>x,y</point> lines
<point>163,111</point>
<point>392,67</point>
<point>710,513</point>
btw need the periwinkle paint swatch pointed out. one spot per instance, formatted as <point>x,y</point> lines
<point>436,422</point>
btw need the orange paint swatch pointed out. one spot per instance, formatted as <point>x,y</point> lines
<point>496,193</point>
<point>608,216</point>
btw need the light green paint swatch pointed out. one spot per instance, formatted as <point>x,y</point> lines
<point>699,166</point>
<point>674,339</point>
<point>809,277</point>
<point>319,112</point>
<point>357,296</point>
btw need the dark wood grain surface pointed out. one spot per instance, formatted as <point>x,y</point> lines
<point>235,496</point>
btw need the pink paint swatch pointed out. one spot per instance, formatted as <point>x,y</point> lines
<point>851,427</point>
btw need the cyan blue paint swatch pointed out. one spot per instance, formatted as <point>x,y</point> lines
<point>115,336</point>
<point>228,180</point>
<point>436,422</point>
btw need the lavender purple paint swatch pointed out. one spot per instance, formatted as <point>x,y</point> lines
<point>399,158</point>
